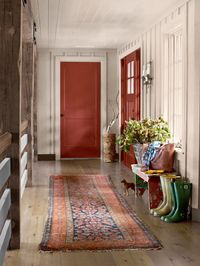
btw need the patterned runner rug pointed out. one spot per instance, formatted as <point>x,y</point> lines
<point>87,213</point>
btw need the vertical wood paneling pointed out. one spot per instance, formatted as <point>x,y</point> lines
<point>161,74</point>
<point>153,59</point>
<point>52,105</point>
<point>148,59</point>
<point>27,98</point>
<point>158,69</point>
<point>197,99</point>
<point>193,68</point>
<point>144,91</point>
<point>35,146</point>
<point>152,47</point>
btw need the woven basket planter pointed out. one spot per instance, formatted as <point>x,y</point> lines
<point>109,150</point>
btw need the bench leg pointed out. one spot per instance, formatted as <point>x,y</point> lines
<point>140,186</point>
<point>155,192</point>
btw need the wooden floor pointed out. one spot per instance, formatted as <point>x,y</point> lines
<point>181,241</point>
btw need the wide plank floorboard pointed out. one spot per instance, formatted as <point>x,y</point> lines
<point>180,241</point>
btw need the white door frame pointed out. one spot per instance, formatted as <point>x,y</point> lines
<point>103,98</point>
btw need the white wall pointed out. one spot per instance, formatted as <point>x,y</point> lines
<point>48,126</point>
<point>150,42</point>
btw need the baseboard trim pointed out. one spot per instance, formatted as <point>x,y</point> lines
<point>195,215</point>
<point>46,157</point>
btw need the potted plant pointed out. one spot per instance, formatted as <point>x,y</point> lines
<point>137,133</point>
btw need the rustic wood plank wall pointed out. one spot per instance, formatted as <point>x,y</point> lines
<point>34,118</point>
<point>27,97</point>
<point>16,93</point>
<point>10,97</point>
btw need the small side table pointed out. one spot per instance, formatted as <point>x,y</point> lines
<point>150,182</point>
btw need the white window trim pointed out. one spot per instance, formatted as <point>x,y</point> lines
<point>172,30</point>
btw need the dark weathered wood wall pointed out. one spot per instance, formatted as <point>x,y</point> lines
<point>35,106</point>
<point>17,67</point>
<point>10,98</point>
<point>27,97</point>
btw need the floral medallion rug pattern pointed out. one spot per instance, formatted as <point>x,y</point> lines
<point>87,213</point>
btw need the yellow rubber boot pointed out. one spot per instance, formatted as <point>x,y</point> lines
<point>163,186</point>
<point>168,205</point>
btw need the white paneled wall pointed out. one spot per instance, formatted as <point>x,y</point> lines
<point>186,16</point>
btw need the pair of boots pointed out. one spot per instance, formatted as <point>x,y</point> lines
<point>176,196</point>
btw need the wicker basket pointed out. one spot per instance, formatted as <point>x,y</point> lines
<point>109,144</point>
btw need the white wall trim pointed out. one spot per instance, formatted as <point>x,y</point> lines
<point>58,60</point>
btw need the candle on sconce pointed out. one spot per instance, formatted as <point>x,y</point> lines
<point>144,70</point>
<point>148,72</point>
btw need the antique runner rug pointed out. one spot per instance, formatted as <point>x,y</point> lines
<point>87,213</point>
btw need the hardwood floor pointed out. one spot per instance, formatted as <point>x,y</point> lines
<point>180,241</point>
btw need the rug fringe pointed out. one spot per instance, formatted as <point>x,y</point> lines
<point>97,250</point>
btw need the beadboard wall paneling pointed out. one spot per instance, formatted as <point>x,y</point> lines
<point>185,15</point>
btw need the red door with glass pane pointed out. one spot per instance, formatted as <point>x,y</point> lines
<point>130,97</point>
<point>80,110</point>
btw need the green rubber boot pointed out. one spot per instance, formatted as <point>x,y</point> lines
<point>162,182</point>
<point>173,202</point>
<point>182,193</point>
<point>168,205</point>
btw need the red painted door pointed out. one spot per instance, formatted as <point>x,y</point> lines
<point>80,110</point>
<point>130,97</point>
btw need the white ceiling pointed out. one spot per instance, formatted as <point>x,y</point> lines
<point>94,23</point>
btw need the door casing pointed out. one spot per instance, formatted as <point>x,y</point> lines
<point>58,60</point>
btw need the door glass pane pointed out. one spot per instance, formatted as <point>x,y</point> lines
<point>128,86</point>
<point>132,68</point>
<point>129,70</point>
<point>132,86</point>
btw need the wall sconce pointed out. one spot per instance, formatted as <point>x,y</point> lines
<point>146,73</point>
<point>34,33</point>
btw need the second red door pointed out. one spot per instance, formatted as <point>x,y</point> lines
<point>130,97</point>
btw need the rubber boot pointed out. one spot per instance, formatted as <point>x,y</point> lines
<point>168,205</point>
<point>173,202</point>
<point>182,193</point>
<point>162,182</point>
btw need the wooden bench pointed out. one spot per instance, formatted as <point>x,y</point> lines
<point>149,182</point>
